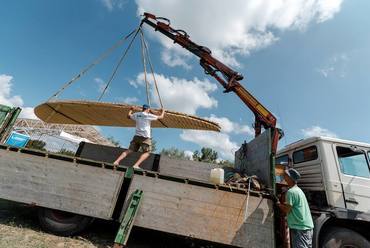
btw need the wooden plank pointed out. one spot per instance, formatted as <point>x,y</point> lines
<point>204,213</point>
<point>186,168</point>
<point>57,184</point>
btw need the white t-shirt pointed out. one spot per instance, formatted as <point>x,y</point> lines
<point>143,123</point>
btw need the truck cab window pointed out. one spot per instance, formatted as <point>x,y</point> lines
<point>283,160</point>
<point>304,155</point>
<point>352,162</point>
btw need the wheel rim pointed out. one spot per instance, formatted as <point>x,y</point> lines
<point>62,216</point>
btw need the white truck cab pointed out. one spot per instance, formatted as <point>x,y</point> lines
<point>335,176</point>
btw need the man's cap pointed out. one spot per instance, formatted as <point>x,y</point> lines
<point>146,106</point>
<point>293,174</point>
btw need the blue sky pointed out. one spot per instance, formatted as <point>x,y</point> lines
<point>306,61</point>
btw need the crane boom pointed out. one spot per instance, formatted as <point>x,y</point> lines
<point>226,76</point>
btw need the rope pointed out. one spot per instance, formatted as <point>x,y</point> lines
<point>151,69</point>
<point>247,204</point>
<point>95,62</point>
<point>119,63</point>
<point>143,57</point>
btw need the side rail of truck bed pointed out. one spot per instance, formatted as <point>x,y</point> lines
<point>171,204</point>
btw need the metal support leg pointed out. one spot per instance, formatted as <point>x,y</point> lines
<point>128,220</point>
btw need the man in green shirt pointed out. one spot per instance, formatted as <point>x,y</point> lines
<point>298,212</point>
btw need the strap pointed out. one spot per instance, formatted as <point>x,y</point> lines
<point>95,62</point>
<point>118,64</point>
<point>143,57</point>
<point>151,68</point>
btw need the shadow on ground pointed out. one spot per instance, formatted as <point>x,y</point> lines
<point>20,219</point>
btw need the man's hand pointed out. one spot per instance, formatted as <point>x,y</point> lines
<point>134,108</point>
<point>162,114</point>
<point>129,114</point>
<point>284,207</point>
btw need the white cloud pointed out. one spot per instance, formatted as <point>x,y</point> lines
<point>237,28</point>
<point>189,154</point>
<point>335,65</point>
<point>317,131</point>
<point>28,112</point>
<point>326,71</point>
<point>327,9</point>
<point>228,126</point>
<point>220,142</point>
<point>14,101</point>
<point>100,83</point>
<point>172,58</point>
<point>5,90</point>
<point>133,83</point>
<point>180,94</point>
<point>130,100</point>
<point>113,4</point>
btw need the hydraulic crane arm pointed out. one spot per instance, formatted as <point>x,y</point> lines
<point>227,77</point>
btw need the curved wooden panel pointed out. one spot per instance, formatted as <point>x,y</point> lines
<point>113,114</point>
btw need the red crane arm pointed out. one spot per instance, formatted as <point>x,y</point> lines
<point>229,78</point>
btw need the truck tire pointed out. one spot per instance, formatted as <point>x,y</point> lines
<point>62,223</point>
<point>339,237</point>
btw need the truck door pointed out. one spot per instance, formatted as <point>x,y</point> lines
<point>355,177</point>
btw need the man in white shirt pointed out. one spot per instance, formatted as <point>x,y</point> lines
<point>142,136</point>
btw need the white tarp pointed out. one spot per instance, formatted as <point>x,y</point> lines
<point>73,138</point>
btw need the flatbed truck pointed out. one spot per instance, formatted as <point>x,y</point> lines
<point>71,191</point>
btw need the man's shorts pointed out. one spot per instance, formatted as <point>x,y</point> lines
<point>138,142</point>
<point>301,238</point>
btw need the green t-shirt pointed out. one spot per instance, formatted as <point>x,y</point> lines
<point>299,216</point>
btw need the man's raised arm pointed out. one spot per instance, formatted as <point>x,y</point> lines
<point>129,114</point>
<point>161,115</point>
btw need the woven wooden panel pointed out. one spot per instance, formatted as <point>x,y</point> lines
<point>113,114</point>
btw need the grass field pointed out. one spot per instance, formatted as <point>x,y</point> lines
<point>19,228</point>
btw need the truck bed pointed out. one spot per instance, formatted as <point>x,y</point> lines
<point>171,204</point>
<point>199,210</point>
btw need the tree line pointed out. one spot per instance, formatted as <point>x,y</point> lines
<point>205,154</point>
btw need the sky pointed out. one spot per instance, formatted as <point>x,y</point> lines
<point>307,61</point>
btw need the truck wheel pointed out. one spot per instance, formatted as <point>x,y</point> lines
<point>339,237</point>
<point>62,223</point>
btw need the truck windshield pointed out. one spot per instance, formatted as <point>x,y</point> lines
<point>352,162</point>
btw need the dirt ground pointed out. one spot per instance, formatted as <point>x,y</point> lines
<point>19,228</point>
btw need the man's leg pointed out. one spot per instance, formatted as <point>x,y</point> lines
<point>143,156</point>
<point>122,156</point>
<point>134,146</point>
<point>146,147</point>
